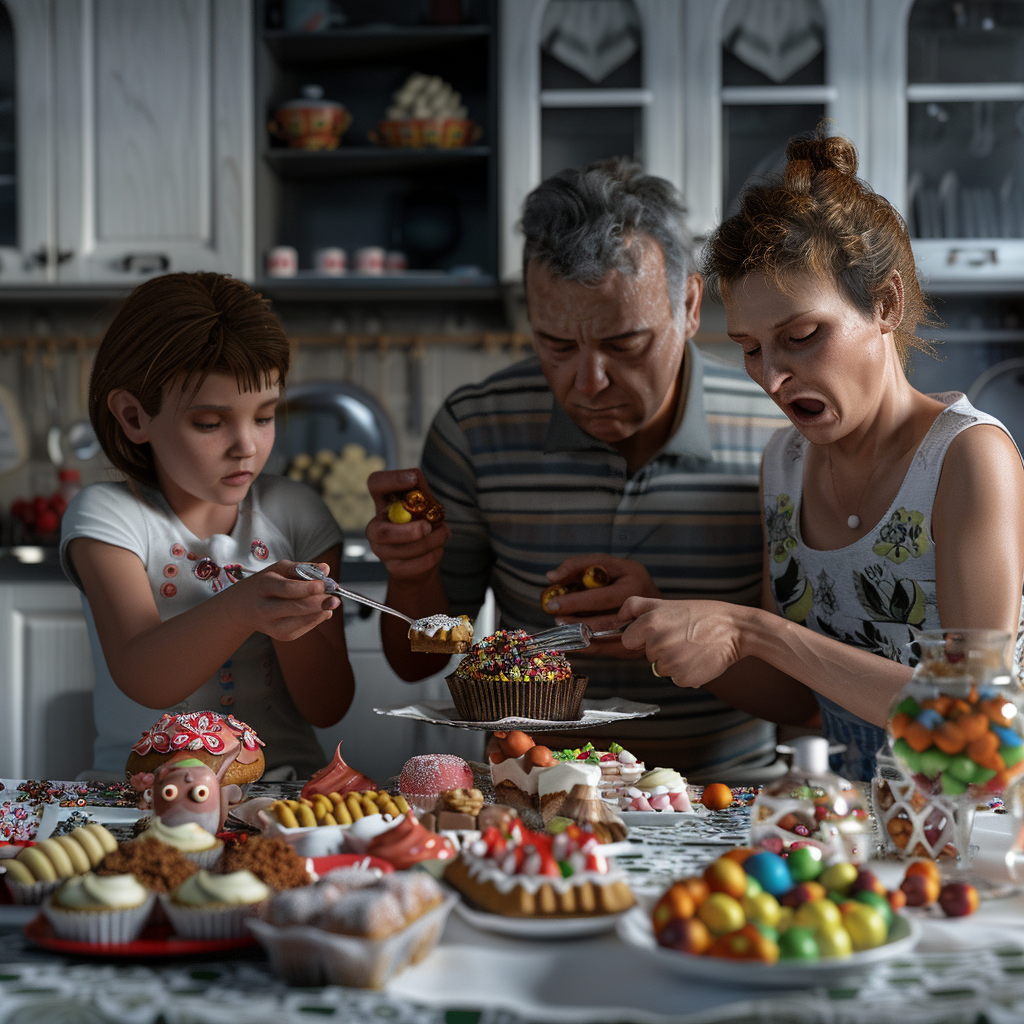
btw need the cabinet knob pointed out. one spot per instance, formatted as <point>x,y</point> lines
<point>144,262</point>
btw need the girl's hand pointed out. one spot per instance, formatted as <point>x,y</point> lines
<point>598,608</point>
<point>411,552</point>
<point>282,605</point>
<point>691,642</point>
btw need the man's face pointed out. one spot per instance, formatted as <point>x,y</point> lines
<point>612,352</point>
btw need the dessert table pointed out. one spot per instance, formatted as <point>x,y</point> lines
<point>963,970</point>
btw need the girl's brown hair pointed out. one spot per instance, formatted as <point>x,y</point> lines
<point>176,330</point>
<point>823,220</point>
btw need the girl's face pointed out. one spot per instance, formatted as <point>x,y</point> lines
<point>211,445</point>
<point>818,358</point>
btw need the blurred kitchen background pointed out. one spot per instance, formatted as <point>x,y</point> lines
<point>363,163</point>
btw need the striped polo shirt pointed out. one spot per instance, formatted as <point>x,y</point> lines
<point>524,488</point>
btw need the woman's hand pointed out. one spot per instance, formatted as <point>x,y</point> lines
<point>411,552</point>
<point>691,642</point>
<point>598,607</point>
<point>277,602</point>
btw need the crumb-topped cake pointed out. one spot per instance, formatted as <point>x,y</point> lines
<point>498,679</point>
<point>441,634</point>
<point>520,873</point>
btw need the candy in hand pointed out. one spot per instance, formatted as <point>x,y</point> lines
<point>414,504</point>
<point>591,578</point>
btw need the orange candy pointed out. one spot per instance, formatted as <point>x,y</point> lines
<point>918,736</point>
<point>726,876</point>
<point>985,751</point>
<point>746,944</point>
<point>974,726</point>
<point>942,704</point>
<point>949,738</point>
<point>993,710</point>
<point>741,853</point>
<point>674,904</point>
<point>716,797</point>
<point>698,889</point>
<point>898,724</point>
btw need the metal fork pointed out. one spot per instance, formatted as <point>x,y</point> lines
<point>572,637</point>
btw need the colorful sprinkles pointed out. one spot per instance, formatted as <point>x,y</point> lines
<point>500,657</point>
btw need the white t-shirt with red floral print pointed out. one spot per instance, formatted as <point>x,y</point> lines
<point>278,519</point>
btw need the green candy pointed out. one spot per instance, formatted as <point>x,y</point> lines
<point>908,755</point>
<point>1011,755</point>
<point>951,785</point>
<point>880,903</point>
<point>909,707</point>
<point>798,944</point>
<point>934,762</point>
<point>753,886</point>
<point>805,864</point>
<point>969,772</point>
<point>767,931</point>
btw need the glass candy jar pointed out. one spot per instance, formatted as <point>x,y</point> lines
<point>812,806</point>
<point>956,727</point>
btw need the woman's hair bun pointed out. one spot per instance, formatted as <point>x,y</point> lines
<point>810,156</point>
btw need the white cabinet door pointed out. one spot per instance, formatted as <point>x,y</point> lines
<point>46,682</point>
<point>31,260</point>
<point>153,144</point>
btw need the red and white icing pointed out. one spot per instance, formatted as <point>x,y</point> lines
<point>219,734</point>
<point>426,776</point>
<point>533,859</point>
<point>409,843</point>
<point>337,777</point>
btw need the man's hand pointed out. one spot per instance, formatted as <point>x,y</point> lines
<point>692,642</point>
<point>411,552</point>
<point>277,602</point>
<point>598,608</point>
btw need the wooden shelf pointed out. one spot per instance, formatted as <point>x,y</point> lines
<point>362,45</point>
<point>301,163</point>
<point>410,285</point>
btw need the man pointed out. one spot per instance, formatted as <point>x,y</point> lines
<point>619,443</point>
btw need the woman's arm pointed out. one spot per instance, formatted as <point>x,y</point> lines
<point>315,666</point>
<point>157,664</point>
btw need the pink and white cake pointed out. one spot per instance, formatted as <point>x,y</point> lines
<point>426,776</point>
<point>660,789</point>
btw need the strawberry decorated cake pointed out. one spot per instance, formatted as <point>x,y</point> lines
<point>520,873</point>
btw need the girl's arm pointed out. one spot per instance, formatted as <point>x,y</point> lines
<point>157,664</point>
<point>754,655</point>
<point>315,666</point>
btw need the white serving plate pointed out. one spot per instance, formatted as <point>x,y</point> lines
<point>54,814</point>
<point>595,712</point>
<point>537,927</point>
<point>661,817</point>
<point>635,929</point>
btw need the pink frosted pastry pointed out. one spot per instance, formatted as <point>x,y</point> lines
<point>409,843</point>
<point>426,776</point>
<point>337,777</point>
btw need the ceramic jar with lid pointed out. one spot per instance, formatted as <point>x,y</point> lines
<point>311,122</point>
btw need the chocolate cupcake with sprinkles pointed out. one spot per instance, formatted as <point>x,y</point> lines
<point>497,680</point>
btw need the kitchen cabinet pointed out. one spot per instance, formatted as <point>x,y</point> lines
<point>949,103</point>
<point>435,205</point>
<point>134,138</point>
<point>46,682</point>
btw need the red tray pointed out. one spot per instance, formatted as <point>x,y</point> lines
<point>155,941</point>
<point>160,940</point>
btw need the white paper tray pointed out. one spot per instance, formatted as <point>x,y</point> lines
<point>595,713</point>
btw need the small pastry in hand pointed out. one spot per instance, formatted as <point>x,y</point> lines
<point>442,634</point>
<point>590,579</point>
<point>414,504</point>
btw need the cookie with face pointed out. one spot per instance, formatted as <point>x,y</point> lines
<point>186,789</point>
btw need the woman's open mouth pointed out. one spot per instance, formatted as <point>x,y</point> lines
<point>806,410</point>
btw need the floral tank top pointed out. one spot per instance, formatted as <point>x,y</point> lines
<point>874,593</point>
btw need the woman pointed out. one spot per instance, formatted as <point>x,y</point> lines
<point>886,510</point>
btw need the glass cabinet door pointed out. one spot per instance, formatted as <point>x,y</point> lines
<point>965,123</point>
<point>8,144</point>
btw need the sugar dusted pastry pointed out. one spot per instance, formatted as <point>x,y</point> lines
<point>442,634</point>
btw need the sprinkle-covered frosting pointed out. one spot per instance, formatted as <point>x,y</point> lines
<point>500,657</point>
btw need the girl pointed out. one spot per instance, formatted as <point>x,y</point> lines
<point>886,510</point>
<point>182,398</point>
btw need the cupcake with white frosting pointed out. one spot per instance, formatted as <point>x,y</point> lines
<point>198,845</point>
<point>209,906</point>
<point>102,910</point>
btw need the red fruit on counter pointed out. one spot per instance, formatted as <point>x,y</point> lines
<point>920,890</point>
<point>717,796</point>
<point>958,899</point>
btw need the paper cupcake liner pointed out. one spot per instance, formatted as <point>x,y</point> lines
<point>27,894</point>
<point>99,927</point>
<point>205,858</point>
<point>490,700</point>
<point>219,921</point>
<point>308,956</point>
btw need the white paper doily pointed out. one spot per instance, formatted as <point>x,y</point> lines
<point>595,712</point>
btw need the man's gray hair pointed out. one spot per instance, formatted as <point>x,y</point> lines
<point>579,224</point>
